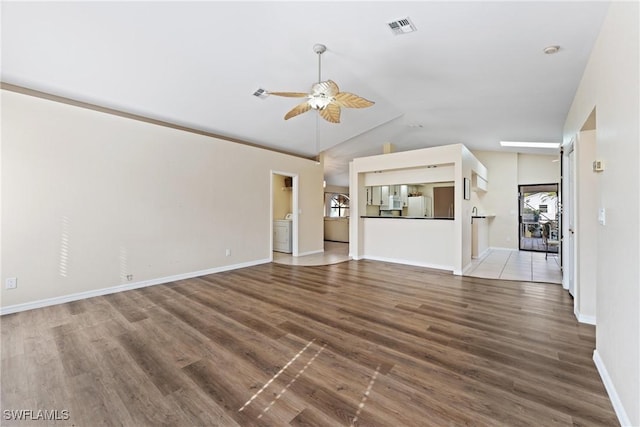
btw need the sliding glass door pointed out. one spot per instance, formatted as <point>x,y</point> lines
<point>539,217</point>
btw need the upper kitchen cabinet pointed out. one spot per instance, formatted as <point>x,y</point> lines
<point>376,198</point>
<point>404,195</point>
<point>384,195</point>
<point>478,184</point>
<point>379,195</point>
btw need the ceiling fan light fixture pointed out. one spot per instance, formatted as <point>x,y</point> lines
<point>319,102</point>
<point>324,97</point>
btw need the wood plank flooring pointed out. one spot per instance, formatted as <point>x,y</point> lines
<point>356,343</point>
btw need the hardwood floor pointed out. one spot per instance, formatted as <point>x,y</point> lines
<point>355,343</point>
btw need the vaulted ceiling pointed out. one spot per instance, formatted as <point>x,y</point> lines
<point>472,72</point>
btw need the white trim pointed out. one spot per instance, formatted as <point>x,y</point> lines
<point>484,253</point>
<point>120,288</point>
<point>405,262</point>
<point>319,251</point>
<point>582,318</point>
<point>468,268</point>
<point>611,390</point>
<point>496,248</point>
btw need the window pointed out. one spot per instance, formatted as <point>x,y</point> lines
<point>336,205</point>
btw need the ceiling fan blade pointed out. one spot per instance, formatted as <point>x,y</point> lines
<point>289,94</point>
<point>298,109</point>
<point>331,113</point>
<point>349,100</point>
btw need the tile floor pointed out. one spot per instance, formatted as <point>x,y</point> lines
<point>496,264</point>
<point>334,252</point>
<point>517,265</point>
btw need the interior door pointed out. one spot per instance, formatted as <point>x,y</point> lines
<point>571,222</point>
<point>443,202</point>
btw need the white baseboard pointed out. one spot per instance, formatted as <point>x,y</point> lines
<point>582,318</point>
<point>611,390</point>
<point>405,262</point>
<point>497,248</point>
<point>466,269</point>
<point>120,288</point>
<point>484,253</point>
<point>319,251</point>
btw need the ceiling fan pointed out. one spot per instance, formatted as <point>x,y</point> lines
<point>325,96</point>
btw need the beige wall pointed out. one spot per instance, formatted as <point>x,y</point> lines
<point>537,169</point>
<point>610,84</point>
<point>282,198</point>
<point>89,198</point>
<point>421,242</point>
<point>586,227</point>
<point>507,171</point>
<point>500,198</point>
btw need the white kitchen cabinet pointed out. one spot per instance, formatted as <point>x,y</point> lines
<point>384,195</point>
<point>404,195</point>
<point>377,195</point>
<point>282,236</point>
<point>478,184</point>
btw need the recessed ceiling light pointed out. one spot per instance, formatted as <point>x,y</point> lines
<point>550,50</point>
<point>526,144</point>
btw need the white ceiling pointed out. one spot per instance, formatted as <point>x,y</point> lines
<point>472,73</point>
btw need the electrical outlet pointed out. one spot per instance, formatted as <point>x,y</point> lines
<point>129,277</point>
<point>11,283</point>
<point>227,252</point>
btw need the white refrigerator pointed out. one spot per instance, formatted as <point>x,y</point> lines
<point>419,206</point>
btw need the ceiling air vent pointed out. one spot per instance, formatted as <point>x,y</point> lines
<point>402,26</point>
<point>261,93</point>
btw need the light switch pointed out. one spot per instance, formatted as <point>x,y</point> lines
<point>602,216</point>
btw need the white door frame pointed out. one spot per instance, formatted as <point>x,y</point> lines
<point>295,209</point>
<point>569,219</point>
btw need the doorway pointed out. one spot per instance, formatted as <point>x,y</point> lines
<point>539,218</point>
<point>284,209</point>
